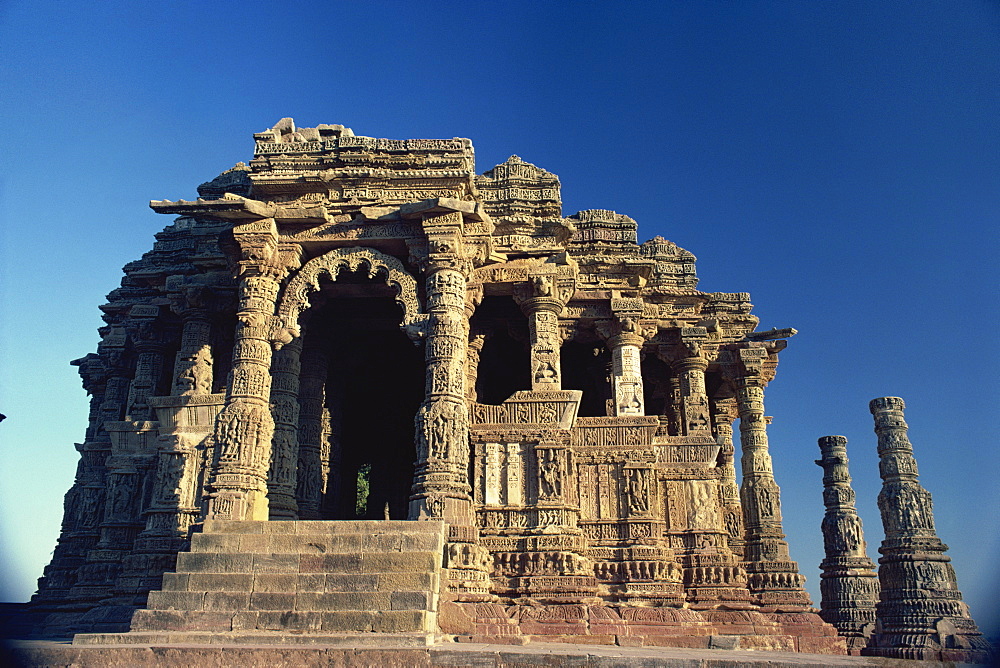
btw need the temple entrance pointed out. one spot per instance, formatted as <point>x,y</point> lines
<point>374,383</point>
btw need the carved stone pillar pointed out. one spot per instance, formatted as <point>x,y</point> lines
<point>849,585</point>
<point>723,414</point>
<point>773,577</point>
<point>312,399</point>
<point>626,370</point>
<point>441,489</point>
<point>331,453</point>
<point>921,614</point>
<point>149,362</point>
<point>441,486</point>
<point>690,369</point>
<point>244,429</point>
<point>282,482</point>
<point>542,308</point>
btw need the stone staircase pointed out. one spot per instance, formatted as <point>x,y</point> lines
<point>315,582</point>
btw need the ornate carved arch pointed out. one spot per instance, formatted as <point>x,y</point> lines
<point>295,299</point>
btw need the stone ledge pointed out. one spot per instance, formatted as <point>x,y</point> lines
<point>348,654</point>
<point>237,639</point>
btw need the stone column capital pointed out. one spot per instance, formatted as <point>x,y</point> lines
<point>534,304</point>
<point>696,363</point>
<point>626,339</point>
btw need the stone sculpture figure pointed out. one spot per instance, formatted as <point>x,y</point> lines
<point>849,585</point>
<point>920,613</point>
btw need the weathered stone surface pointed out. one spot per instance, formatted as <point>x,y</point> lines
<point>386,650</point>
<point>354,383</point>
<point>849,585</point>
<point>920,613</point>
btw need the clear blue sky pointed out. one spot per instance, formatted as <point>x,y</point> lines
<point>839,160</point>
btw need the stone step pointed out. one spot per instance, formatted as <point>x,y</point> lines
<point>381,640</point>
<point>328,527</point>
<point>302,582</point>
<point>315,578</point>
<point>288,563</point>
<point>333,601</point>
<point>317,543</point>
<point>305,621</point>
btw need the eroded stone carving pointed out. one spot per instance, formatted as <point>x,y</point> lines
<point>849,585</point>
<point>567,409</point>
<point>920,613</point>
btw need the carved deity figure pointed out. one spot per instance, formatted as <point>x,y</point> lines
<point>733,525</point>
<point>282,455</point>
<point>638,491</point>
<point>438,433</point>
<point>766,503</point>
<point>196,377</point>
<point>120,497</point>
<point>702,514</point>
<point>170,476</point>
<point>550,474</point>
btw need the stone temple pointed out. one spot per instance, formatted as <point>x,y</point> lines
<point>357,387</point>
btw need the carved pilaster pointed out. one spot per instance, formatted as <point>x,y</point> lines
<point>723,413</point>
<point>921,613</point>
<point>774,578</point>
<point>311,399</point>
<point>149,361</point>
<point>282,482</point>
<point>849,585</point>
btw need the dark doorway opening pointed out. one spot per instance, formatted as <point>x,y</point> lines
<point>586,366</point>
<point>505,361</point>
<point>383,392</point>
<point>374,387</point>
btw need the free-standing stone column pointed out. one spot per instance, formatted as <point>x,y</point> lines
<point>773,577</point>
<point>921,613</point>
<point>474,351</point>
<point>243,431</point>
<point>849,585</point>
<point>312,399</point>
